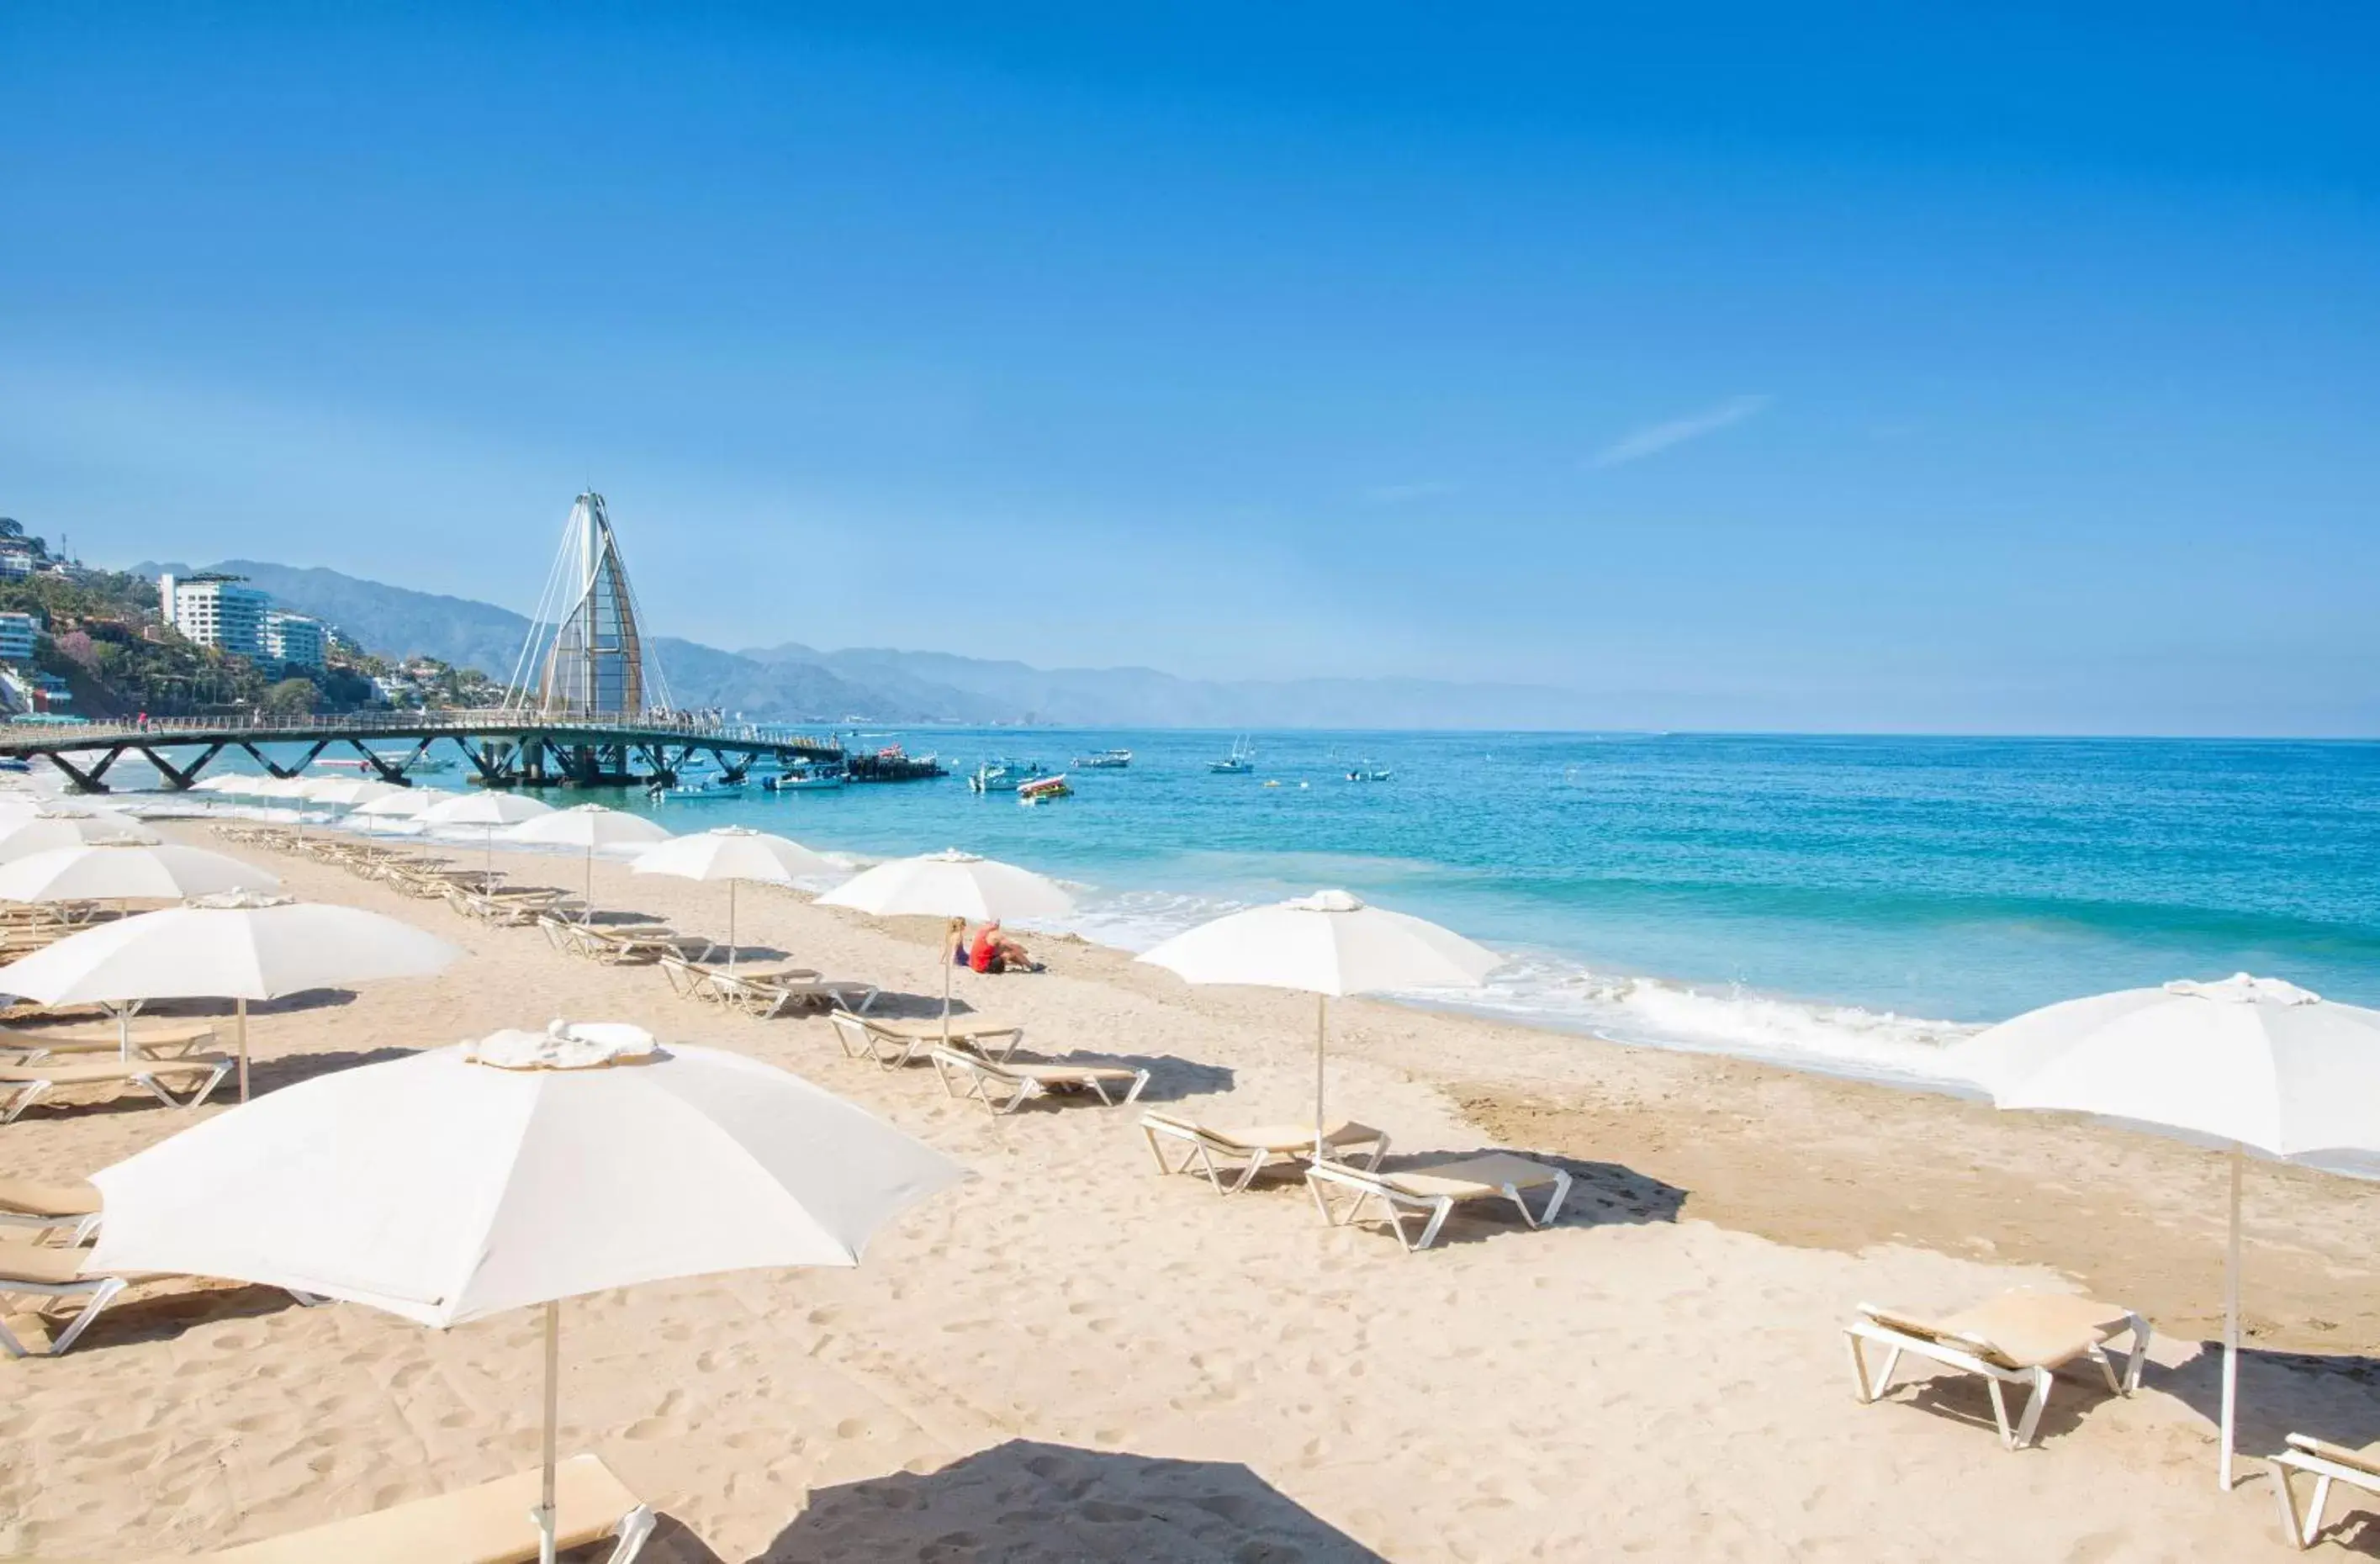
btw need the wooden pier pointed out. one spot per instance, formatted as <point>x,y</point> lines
<point>504,748</point>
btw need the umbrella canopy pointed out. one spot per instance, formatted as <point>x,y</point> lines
<point>1329,943</point>
<point>524,1169</point>
<point>345,792</point>
<point>225,781</point>
<point>49,829</point>
<point>484,808</point>
<point>232,947</point>
<point>127,873</point>
<point>2255,1061</point>
<point>951,884</point>
<point>290,788</point>
<point>1326,944</point>
<point>734,853</point>
<point>954,885</point>
<point>406,803</point>
<point>587,826</point>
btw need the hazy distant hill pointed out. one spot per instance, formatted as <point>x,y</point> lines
<point>794,682</point>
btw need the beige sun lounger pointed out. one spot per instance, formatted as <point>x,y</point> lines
<point>33,1082</point>
<point>25,1202</point>
<point>2016,1339</point>
<point>174,1041</point>
<point>41,1271</point>
<point>1004,1086</point>
<point>492,1523</point>
<point>895,1044</point>
<point>1432,1191</point>
<point>767,994</point>
<point>1244,1152</point>
<point>2327,1463</point>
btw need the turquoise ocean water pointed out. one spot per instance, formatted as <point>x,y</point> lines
<point>1849,904</point>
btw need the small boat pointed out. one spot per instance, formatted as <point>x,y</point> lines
<point>803,778</point>
<point>1041,790</point>
<point>999,775</point>
<point>1105,760</point>
<point>1240,762</point>
<point>709,789</point>
<point>1363,770</point>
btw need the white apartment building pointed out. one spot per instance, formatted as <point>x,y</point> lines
<point>294,637</point>
<point>18,632</point>
<point>16,559</point>
<point>215,610</point>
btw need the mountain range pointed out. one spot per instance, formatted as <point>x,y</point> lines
<point>797,683</point>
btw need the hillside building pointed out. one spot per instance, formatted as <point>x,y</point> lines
<point>215,610</point>
<point>19,632</point>
<point>293,638</point>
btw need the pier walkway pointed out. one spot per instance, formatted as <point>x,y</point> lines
<point>505,748</point>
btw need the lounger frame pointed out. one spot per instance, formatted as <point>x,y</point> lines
<point>864,1038</point>
<point>1221,1159</point>
<point>1397,1204</point>
<point>986,1079</point>
<point>1948,1352</point>
<point>97,1292</point>
<point>30,1092</point>
<point>2303,1455</point>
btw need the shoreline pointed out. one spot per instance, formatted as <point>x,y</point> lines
<point>1660,1373</point>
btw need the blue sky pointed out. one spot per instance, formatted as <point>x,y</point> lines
<point>1746,366</point>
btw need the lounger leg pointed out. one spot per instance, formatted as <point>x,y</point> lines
<point>1863,1390</point>
<point>2042,1381</point>
<point>25,1097</point>
<point>635,1526</point>
<point>1999,1413</point>
<point>101,1296</point>
<point>1445,1206</point>
<point>1248,1173</point>
<point>2140,1354</point>
<point>1137,1082</point>
<point>1553,1202</point>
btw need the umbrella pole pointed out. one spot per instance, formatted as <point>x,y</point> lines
<point>545,1516</point>
<point>950,959</point>
<point>730,929</point>
<point>122,1033</point>
<point>2231,1325</point>
<point>242,1004</point>
<point>588,915</point>
<point>1321,1023</point>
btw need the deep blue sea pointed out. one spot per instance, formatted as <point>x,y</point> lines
<point>1849,904</point>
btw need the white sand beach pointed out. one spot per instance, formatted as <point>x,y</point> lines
<point>1072,1357</point>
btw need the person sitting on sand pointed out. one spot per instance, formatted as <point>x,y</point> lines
<point>991,953</point>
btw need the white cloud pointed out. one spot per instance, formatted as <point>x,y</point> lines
<point>1653,439</point>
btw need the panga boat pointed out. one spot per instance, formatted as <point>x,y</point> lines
<point>803,778</point>
<point>1001,776</point>
<point>1041,790</point>
<point>708,788</point>
<point>1241,761</point>
<point>1105,760</point>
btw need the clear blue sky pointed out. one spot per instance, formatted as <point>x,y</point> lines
<point>1751,366</point>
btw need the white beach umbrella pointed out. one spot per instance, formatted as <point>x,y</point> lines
<point>2251,1061</point>
<point>50,829</point>
<point>232,947</point>
<point>406,803</point>
<point>492,809</point>
<point>1327,944</point>
<point>589,826</point>
<point>520,1170</point>
<point>951,884</point>
<point>345,792</point>
<point>225,781</point>
<point>734,853</point>
<point>126,873</point>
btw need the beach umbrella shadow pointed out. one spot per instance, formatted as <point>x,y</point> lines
<point>2331,1396</point>
<point>1026,1500</point>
